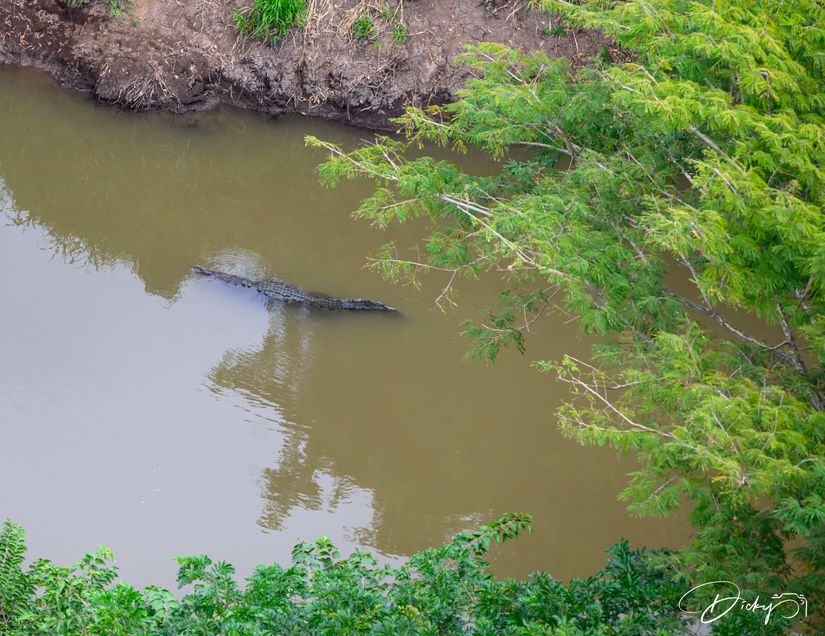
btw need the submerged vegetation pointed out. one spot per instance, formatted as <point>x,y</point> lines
<point>690,206</point>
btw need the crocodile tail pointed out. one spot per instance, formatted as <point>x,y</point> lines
<point>365,305</point>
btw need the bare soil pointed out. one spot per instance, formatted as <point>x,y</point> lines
<point>182,55</point>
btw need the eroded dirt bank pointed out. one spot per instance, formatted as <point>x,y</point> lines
<point>184,55</point>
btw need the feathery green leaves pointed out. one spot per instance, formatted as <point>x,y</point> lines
<point>674,205</point>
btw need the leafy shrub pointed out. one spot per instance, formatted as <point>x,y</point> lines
<point>446,590</point>
<point>271,19</point>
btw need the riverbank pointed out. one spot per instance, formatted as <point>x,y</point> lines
<point>183,56</point>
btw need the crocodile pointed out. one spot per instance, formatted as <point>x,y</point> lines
<point>277,291</point>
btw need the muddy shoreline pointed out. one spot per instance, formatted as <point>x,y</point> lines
<point>181,56</point>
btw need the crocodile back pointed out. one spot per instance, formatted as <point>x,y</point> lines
<point>277,291</point>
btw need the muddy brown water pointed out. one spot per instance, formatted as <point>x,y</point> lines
<point>162,414</point>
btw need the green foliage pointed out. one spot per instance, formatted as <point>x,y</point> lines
<point>271,19</point>
<point>363,28</point>
<point>686,230</point>
<point>15,588</point>
<point>447,590</point>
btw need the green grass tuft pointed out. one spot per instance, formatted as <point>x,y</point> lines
<point>271,19</point>
<point>363,28</point>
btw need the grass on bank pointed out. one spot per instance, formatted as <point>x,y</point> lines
<point>271,19</point>
<point>364,28</point>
